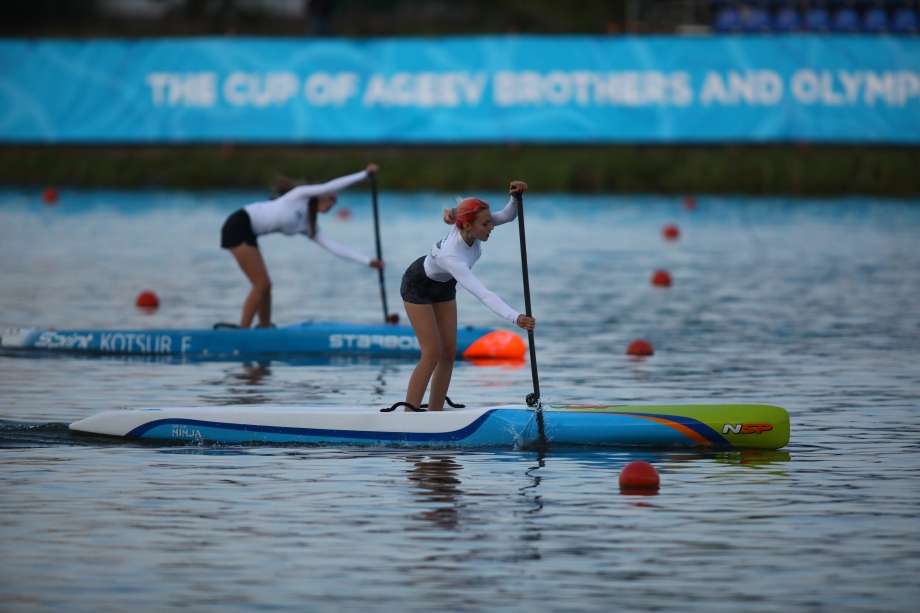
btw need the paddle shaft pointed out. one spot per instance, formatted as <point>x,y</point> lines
<point>383,290</point>
<point>527,309</point>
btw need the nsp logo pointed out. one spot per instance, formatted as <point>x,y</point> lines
<point>746,428</point>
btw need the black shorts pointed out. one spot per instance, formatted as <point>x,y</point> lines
<point>419,288</point>
<point>237,230</point>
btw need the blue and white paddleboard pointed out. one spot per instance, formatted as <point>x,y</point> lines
<point>308,338</point>
<point>511,426</point>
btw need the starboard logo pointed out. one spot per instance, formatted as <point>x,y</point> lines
<point>366,341</point>
<point>746,428</point>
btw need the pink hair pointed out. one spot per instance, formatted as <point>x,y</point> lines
<point>465,211</point>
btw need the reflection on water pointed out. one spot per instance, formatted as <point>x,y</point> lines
<point>528,544</point>
<point>254,372</point>
<point>529,490</point>
<point>437,481</point>
<point>754,458</point>
<point>749,458</point>
<point>381,389</point>
<point>502,363</point>
<point>250,375</point>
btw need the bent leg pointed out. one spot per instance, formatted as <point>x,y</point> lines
<point>259,299</point>
<point>446,315</point>
<point>425,325</point>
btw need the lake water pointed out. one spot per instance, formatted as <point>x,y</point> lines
<point>809,305</point>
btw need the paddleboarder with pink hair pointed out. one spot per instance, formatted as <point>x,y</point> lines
<point>429,293</point>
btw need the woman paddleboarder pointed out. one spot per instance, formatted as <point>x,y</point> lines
<point>429,293</point>
<point>292,212</point>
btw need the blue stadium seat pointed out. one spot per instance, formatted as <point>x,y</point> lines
<point>817,19</point>
<point>757,19</point>
<point>905,21</point>
<point>787,20</point>
<point>875,20</point>
<point>727,20</point>
<point>846,20</point>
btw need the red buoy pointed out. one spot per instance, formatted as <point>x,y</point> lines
<point>690,203</point>
<point>639,475</point>
<point>50,196</point>
<point>661,278</point>
<point>147,300</point>
<point>640,348</point>
<point>343,214</point>
<point>671,232</point>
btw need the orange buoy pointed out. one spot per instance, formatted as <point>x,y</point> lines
<point>671,232</point>
<point>639,475</point>
<point>147,300</point>
<point>640,348</point>
<point>497,344</point>
<point>343,214</point>
<point>50,196</point>
<point>661,278</point>
<point>690,203</point>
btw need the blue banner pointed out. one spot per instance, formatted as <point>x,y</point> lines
<point>462,90</point>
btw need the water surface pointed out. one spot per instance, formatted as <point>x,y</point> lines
<point>809,305</point>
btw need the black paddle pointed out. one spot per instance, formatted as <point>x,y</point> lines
<point>534,398</point>
<point>383,289</point>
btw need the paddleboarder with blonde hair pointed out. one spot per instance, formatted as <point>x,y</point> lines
<point>294,211</point>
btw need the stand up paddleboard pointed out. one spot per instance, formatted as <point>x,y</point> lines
<point>514,426</point>
<point>510,426</point>
<point>307,338</point>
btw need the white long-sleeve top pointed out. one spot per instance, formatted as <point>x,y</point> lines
<point>288,214</point>
<point>451,258</point>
